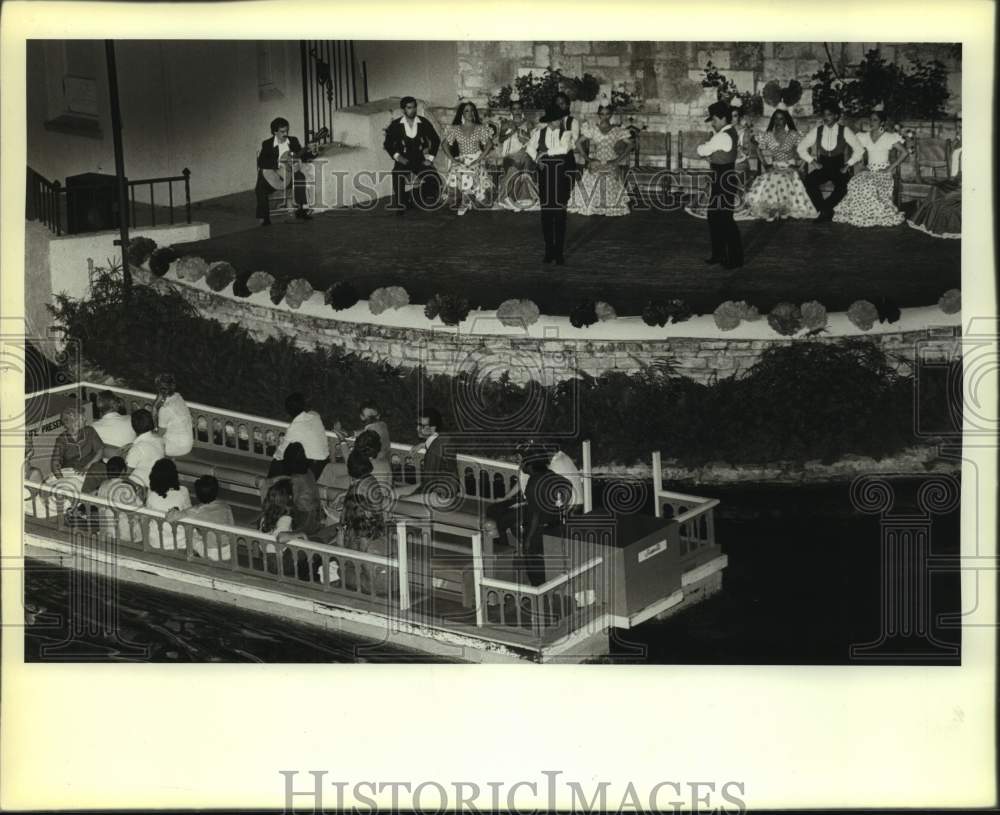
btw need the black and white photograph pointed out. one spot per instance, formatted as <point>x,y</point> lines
<point>441,351</point>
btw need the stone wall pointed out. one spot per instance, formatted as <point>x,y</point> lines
<point>526,358</point>
<point>667,75</point>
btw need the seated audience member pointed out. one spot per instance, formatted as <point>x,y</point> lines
<point>439,468</point>
<point>369,443</point>
<point>363,521</point>
<point>172,418</point>
<point>306,428</point>
<point>146,450</point>
<point>307,516</point>
<point>122,494</point>
<point>208,509</point>
<point>547,495</point>
<point>77,449</point>
<point>165,493</point>
<point>114,427</point>
<point>371,416</point>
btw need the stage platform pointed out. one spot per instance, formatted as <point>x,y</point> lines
<point>490,256</point>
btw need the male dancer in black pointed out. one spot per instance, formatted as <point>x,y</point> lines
<point>277,150</point>
<point>412,143</point>
<point>720,150</point>
<point>829,142</point>
<point>561,101</point>
<point>549,147</point>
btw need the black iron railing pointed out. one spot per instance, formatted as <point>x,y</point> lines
<point>45,200</point>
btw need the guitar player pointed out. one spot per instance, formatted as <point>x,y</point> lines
<point>278,167</point>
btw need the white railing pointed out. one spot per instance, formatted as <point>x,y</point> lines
<point>566,603</point>
<point>694,513</point>
<point>332,568</point>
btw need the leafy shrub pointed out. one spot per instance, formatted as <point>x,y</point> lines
<point>451,309</point>
<point>677,310</point>
<point>888,311</point>
<point>605,311</point>
<point>387,297</point>
<point>299,290</point>
<point>518,313</point>
<point>951,301</point>
<point>863,314</point>
<point>219,275</point>
<point>727,316</point>
<point>785,318</point>
<point>341,295</point>
<point>654,313</point>
<point>814,315</point>
<point>801,401</point>
<point>191,268</point>
<point>278,289</point>
<point>160,260</point>
<point>240,288</point>
<point>259,281</point>
<point>140,249</point>
<point>584,314</point>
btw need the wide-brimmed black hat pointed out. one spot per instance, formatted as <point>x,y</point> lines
<point>552,114</point>
<point>720,109</point>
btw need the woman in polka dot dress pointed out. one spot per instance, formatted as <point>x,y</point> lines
<point>869,193</point>
<point>779,192</point>
<point>468,142</point>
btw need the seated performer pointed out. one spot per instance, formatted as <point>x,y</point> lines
<point>412,143</point>
<point>829,142</point>
<point>469,143</point>
<point>551,148</point>
<point>278,168</point>
<point>778,191</point>
<point>518,190</point>
<point>868,201</point>
<point>720,150</point>
<point>940,213</point>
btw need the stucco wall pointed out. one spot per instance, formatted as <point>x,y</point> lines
<point>184,103</point>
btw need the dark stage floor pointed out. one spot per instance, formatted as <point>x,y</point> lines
<point>491,256</point>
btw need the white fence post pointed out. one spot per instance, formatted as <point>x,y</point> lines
<point>588,484</point>
<point>657,484</point>
<point>477,576</point>
<point>403,569</point>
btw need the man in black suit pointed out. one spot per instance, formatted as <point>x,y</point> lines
<point>412,143</point>
<point>275,152</point>
<point>721,151</point>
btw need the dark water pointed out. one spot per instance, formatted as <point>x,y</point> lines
<point>804,584</point>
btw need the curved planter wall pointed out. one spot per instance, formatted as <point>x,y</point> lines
<point>550,350</point>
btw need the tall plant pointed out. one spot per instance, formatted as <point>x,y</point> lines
<point>537,93</point>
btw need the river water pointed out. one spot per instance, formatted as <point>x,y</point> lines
<point>803,585</point>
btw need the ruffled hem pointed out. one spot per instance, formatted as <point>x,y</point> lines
<point>926,231</point>
<point>742,214</point>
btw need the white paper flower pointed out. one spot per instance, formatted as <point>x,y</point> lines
<point>736,102</point>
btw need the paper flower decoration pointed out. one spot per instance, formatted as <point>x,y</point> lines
<point>785,318</point>
<point>386,298</point>
<point>863,314</point>
<point>813,315</point>
<point>736,102</point>
<point>219,275</point>
<point>727,316</point>
<point>951,301</point>
<point>191,268</point>
<point>518,313</point>
<point>299,290</point>
<point>792,94</point>
<point>772,93</point>
<point>605,311</point>
<point>259,281</point>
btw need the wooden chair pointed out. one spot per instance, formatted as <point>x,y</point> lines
<point>648,176</point>
<point>693,176</point>
<point>929,164</point>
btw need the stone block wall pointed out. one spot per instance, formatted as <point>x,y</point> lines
<point>667,75</point>
<point>546,360</point>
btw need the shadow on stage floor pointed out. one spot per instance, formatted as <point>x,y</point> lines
<point>490,256</point>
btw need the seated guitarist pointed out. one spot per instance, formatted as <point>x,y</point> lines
<point>278,167</point>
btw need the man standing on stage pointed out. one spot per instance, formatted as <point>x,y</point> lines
<point>284,152</point>
<point>551,147</point>
<point>829,142</point>
<point>412,143</point>
<point>720,150</point>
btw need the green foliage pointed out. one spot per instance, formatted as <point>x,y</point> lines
<point>809,400</point>
<point>537,93</point>
<point>919,91</point>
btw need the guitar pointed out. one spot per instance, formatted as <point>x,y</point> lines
<point>288,165</point>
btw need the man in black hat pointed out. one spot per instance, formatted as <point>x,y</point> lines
<point>720,150</point>
<point>412,143</point>
<point>830,142</point>
<point>551,148</point>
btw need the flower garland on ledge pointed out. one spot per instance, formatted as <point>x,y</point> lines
<point>785,319</point>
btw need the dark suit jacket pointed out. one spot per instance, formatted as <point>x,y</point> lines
<point>267,157</point>
<point>395,138</point>
<point>439,460</point>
